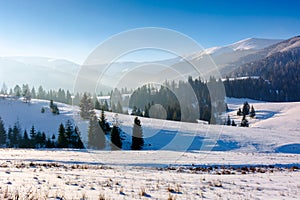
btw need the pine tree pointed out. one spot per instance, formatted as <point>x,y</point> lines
<point>61,141</point>
<point>246,108</point>
<point>25,141</point>
<point>97,104</point>
<point>146,111</point>
<point>233,123</point>
<point>68,132</point>
<point>228,123</point>
<point>33,93</point>
<point>77,141</point>
<point>96,136</point>
<point>17,91</point>
<point>116,142</point>
<point>86,106</point>
<point>244,122</point>
<point>10,138</point>
<point>239,112</point>
<point>43,139</point>
<point>32,134</point>
<point>16,136</point>
<point>252,112</point>
<point>119,108</point>
<point>137,135</point>
<point>105,106</point>
<point>26,93</point>
<point>4,89</point>
<point>103,123</point>
<point>3,135</point>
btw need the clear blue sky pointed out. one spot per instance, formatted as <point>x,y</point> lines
<point>71,29</point>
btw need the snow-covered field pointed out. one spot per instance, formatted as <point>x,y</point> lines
<point>43,174</point>
<point>180,160</point>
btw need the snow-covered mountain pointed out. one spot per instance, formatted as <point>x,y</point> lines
<point>59,73</point>
<point>227,58</point>
<point>249,44</point>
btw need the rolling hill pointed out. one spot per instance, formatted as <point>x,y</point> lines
<point>264,134</point>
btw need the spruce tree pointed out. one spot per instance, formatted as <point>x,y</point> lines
<point>146,111</point>
<point>244,122</point>
<point>16,135</point>
<point>252,112</point>
<point>69,132</point>
<point>32,134</point>
<point>233,123</point>
<point>103,123</point>
<point>10,138</point>
<point>105,106</point>
<point>77,141</point>
<point>3,135</point>
<point>61,141</point>
<point>246,108</point>
<point>119,108</point>
<point>116,142</point>
<point>25,141</point>
<point>137,135</point>
<point>97,104</point>
<point>17,91</point>
<point>228,123</point>
<point>96,136</point>
<point>239,112</point>
<point>86,106</point>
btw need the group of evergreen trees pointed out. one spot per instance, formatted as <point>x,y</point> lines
<point>244,112</point>
<point>99,128</point>
<point>167,96</point>
<point>15,138</point>
<point>69,137</point>
<point>279,78</point>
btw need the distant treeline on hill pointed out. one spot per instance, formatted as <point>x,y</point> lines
<point>280,78</point>
<point>206,102</point>
<point>261,89</point>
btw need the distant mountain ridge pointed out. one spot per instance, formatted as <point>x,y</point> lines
<point>228,58</point>
<point>48,72</point>
<point>242,45</point>
<point>280,67</point>
<point>59,73</point>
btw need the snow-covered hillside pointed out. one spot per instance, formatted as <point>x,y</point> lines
<point>265,133</point>
<point>29,114</point>
<point>259,162</point>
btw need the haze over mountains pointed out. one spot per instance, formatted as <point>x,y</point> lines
<point>58,73</point>
<point>36,71</point>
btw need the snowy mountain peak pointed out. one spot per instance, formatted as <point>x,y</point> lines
<point>248,44</point>
<point>253,44</point>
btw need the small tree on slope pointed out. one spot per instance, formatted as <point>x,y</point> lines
<point>96,136</point>
<point>137,135</point>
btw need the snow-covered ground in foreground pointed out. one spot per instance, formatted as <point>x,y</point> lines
<point>68,174</point>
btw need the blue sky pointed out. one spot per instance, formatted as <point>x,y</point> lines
<point>71,29</point>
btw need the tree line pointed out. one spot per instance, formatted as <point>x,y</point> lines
<point>14,137</point>
<point>210,102</point>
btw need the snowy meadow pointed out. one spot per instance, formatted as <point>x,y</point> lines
<point>220,162</point>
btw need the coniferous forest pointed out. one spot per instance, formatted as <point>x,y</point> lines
<point>279,78</point>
